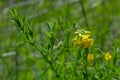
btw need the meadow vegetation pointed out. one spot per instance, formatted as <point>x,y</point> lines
<point>59,40</point>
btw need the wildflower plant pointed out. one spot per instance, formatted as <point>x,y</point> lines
<point>64,61</point>
<point>83,39</point>
<point>26,28</point>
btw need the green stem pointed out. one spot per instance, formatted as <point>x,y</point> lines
<point>86,64</point>
<point>16,65</point>
<point>84,14</point>
<point>41,74</point>
<point>76,62</point>
<point>47,60</point>
<point>44,56</point>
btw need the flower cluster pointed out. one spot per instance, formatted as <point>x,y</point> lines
<point>83,39</point>
<point>90,57</point>
<point>108,56</point>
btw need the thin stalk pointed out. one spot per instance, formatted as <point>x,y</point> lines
<point>51,52</point>
<point>16,65</point>
<point>86,64</point>
<point>84,14</point>
<point>76,62</point>
<point>67,10</point>
<point>57,56</point>
<point>45,57</point>
<point>47,60</point>
<point>38,78</point>
<point>41,74</point>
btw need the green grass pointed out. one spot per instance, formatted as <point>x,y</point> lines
<point>36,40</point>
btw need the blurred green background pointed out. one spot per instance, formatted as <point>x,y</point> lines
<point>102,17</point>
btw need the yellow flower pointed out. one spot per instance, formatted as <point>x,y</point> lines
<point>76,42</point>
<point>82,38</point>
<point>86,41</point>
<point>85,37</point>
<point>90,57</point>
<point>108,56</point>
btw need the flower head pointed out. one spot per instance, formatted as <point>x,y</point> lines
<point>83,39</point>
<point>86,41</point>
<point>90,57</point>
<point>108,56</point>
<point>76,42</point>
